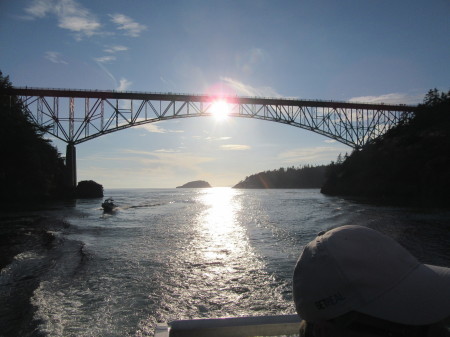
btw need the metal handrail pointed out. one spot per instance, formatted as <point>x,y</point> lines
<point>231,327</point>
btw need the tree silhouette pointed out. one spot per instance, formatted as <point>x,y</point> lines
<point>407,165</point>
<point>302,177</point>
<point>32,168</point>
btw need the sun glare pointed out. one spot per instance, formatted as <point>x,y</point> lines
<point>220,109</point>
<point>223,235</point>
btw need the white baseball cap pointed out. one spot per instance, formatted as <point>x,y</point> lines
<point>354,268</point>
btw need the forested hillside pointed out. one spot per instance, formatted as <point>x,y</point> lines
<point>302,177</point>
<point>409,165</point>
<point>31,168</point>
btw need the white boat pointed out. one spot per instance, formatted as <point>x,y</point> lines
<point>108,205</point>
<point>279,325</point>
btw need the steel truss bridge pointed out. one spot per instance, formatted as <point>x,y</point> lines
<point>76,116</point>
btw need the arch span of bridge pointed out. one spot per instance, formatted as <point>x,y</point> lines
<point>76,116</point>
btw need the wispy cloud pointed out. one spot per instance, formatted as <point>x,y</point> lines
<point>80,24</point>
<point>55,57</point>
<point>393,98</point>
<point>249,60</point>
<point>235,147</point>
<point>70,15</point>
<point>248,90</point>
<point>168,151</point>
<point>105,59</point>
<point>128,25</point>
<point>73,16</point>
<point>40,8</point>
<point>140,152</point>
<point>154,128</point>
<point>217,138</point>
<point>106,71</point>
<point>115,49</point>
<point>124,84</point>
<point>311,155</point>
<point>172,159</point>
<point>110,50</point>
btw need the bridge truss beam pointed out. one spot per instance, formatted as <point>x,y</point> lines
<point>76,116</point>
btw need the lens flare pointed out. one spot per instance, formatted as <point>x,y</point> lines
<point>220,109</point>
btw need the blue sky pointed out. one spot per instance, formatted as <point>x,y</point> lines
<point>359,50</point>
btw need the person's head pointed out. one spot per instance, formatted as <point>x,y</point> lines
<point>355,278</point>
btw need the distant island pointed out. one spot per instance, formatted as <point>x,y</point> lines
<point>196,184</point>
<point>291,177</point>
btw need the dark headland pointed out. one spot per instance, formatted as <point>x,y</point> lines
<point>291,177</point>
<point>408,165</point>
<point>196,184</point>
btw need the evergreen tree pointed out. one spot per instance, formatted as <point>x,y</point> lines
<point>32,168</point>
<point>302,177</point>
<point>409,164</point>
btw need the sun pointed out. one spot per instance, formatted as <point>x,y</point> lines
<point>220,109</point>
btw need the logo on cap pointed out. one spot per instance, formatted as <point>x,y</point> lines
<point>329,301</point>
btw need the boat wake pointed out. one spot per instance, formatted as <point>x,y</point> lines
<point>42,253</point>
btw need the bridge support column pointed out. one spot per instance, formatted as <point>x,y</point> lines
<point>71,165</point>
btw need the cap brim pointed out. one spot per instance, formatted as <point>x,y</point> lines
<point>421,298</point>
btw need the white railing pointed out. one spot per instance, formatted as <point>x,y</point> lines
<point>280,325</point>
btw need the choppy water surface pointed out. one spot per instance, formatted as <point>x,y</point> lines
<point>176,254</point>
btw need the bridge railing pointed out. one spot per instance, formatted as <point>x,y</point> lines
<point>64,92</point>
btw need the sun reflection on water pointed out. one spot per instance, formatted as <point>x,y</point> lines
<point>218,273</point>
<point>225,268</point>
<point>218,225</point>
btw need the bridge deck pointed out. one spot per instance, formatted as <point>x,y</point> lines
<point>111,94</point>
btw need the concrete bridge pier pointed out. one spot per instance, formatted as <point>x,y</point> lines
<point>71,165</point>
